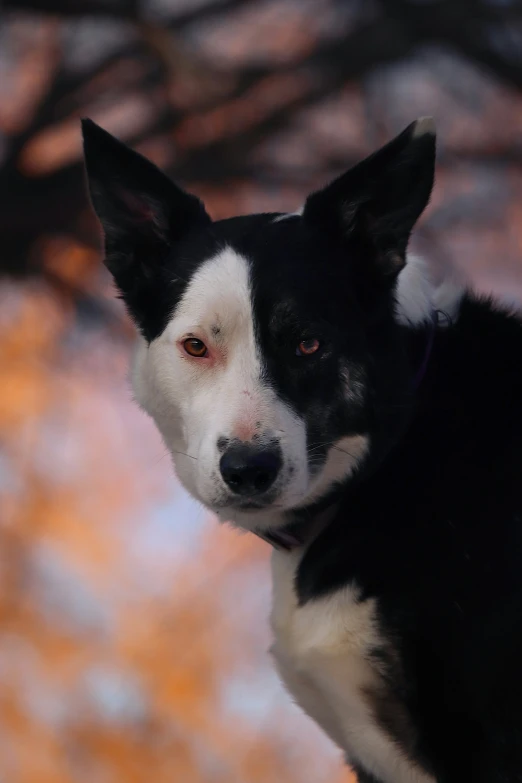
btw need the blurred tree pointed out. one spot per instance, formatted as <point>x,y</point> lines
<point>122,655</point>
<point>208,97</point>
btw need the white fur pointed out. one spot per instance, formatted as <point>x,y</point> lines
<point>323,653</point>
<point>287,215</point>
<point>194,403</point>
<point>447,297</point>
<point>418,297</point>
<point>423,126</point>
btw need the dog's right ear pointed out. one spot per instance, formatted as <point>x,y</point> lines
<point>142,212</point>
<point>379,200</point>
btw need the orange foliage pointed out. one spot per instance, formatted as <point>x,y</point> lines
<point>123,658</point>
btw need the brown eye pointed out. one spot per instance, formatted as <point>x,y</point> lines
<point>195,347</point>
<point>307,347</point>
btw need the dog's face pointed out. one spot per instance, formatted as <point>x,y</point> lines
<point>270,356</point>
<point>259,374</point>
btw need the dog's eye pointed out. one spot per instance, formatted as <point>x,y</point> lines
<point>308,347</point>
<point>195,347</point>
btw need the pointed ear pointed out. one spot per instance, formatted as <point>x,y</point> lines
<point>142,212</point>
<point>379,200</point>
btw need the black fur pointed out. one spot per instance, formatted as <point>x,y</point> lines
<point>376,203</point>
<point>431,526</point>
<point>435,534</point>
<point>144,217</point>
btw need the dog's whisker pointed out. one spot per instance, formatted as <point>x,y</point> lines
<point>330,444</point>
<point>344,451</point>
<point>158,459</point>
<point>184,454</point>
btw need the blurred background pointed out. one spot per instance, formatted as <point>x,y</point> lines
<point>133,629</point>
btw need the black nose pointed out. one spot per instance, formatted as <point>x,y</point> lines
<point>250,470</point>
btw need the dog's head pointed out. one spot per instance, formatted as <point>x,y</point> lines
<point>271,354</point>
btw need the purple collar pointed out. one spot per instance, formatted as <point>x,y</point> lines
<point>281,539</point>
<point>299,533</point>
<point>288,541</point>
<point>432,327</point>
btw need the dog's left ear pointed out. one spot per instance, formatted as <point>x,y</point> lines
<point>379,200</point>
<point>142,212</point>
<point>144,215</point>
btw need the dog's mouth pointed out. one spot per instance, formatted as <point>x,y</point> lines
<point>250,505</point>
<point>255,504</point>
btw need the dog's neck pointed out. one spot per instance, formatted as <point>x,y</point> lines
<point>301,532</point>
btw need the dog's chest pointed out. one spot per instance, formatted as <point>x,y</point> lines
<point>323,652</point>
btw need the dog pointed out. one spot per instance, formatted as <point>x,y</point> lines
<point>316,388</point>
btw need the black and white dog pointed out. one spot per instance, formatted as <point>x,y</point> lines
<point>316,389</point>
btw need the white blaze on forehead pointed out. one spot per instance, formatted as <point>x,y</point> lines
<point>217,308</point>
<point>218,295</point>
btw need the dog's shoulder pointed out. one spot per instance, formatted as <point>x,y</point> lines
<point>337,661</point>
